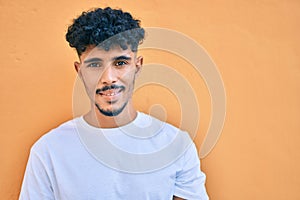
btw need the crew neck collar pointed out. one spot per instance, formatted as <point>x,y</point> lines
<point>142,127</point>
<point>94,128</point>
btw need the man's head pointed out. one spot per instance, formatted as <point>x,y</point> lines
<point>105,27</point>
<point>106,41</point>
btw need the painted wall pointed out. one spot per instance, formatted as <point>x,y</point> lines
<point>255,45</point>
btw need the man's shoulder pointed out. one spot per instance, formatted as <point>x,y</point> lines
<point>166,127</point>
<point>169,133</point>
<point>61,134</point>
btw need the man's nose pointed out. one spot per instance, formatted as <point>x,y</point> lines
<point>108,76</point>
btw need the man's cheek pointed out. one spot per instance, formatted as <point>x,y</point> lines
<point>93,82</point>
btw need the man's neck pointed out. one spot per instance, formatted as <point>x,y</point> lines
<point>97,119</point>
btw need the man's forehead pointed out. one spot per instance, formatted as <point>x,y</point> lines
<point>99,52</point>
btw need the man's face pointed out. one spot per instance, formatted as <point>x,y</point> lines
<point>109,77</point>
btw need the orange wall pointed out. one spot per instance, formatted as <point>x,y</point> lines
<point>255,44</point>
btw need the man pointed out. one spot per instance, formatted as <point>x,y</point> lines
<point>113,151</point>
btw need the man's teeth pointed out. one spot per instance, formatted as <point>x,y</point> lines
<point>110,94</point>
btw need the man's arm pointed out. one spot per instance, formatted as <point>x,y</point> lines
<point>190,180</point>
<point>36,183</point>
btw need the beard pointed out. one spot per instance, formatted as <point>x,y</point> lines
<point>113,112</point>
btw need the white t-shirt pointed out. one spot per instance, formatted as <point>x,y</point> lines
<point>144,160</point>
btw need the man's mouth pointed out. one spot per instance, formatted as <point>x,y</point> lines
<point>110,91</point>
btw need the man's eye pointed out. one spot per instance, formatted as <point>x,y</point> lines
<point>121,63</point>
<point>93,65</point>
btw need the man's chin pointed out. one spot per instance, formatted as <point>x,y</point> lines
<point>110,112</point>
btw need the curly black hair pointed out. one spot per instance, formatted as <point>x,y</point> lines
<point>105,28</point>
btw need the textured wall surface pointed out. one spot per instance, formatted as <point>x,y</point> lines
<point>255,44</point>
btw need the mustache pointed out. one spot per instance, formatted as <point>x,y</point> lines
<point>109,87</point>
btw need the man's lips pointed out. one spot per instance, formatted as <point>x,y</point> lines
<point>110,91</point>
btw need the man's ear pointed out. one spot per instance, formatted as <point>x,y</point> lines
<point>138,65</point>
<point>77,68</point>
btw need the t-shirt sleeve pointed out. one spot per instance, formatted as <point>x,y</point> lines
<point>36,183</point>
<point>190,180</point>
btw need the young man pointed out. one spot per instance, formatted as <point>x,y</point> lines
<point>113,151</point>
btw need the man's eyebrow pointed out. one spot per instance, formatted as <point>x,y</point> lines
<point>92,60</point>
<point>122,58</point>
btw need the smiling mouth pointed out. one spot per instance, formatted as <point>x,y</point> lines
<point>111,92</point>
